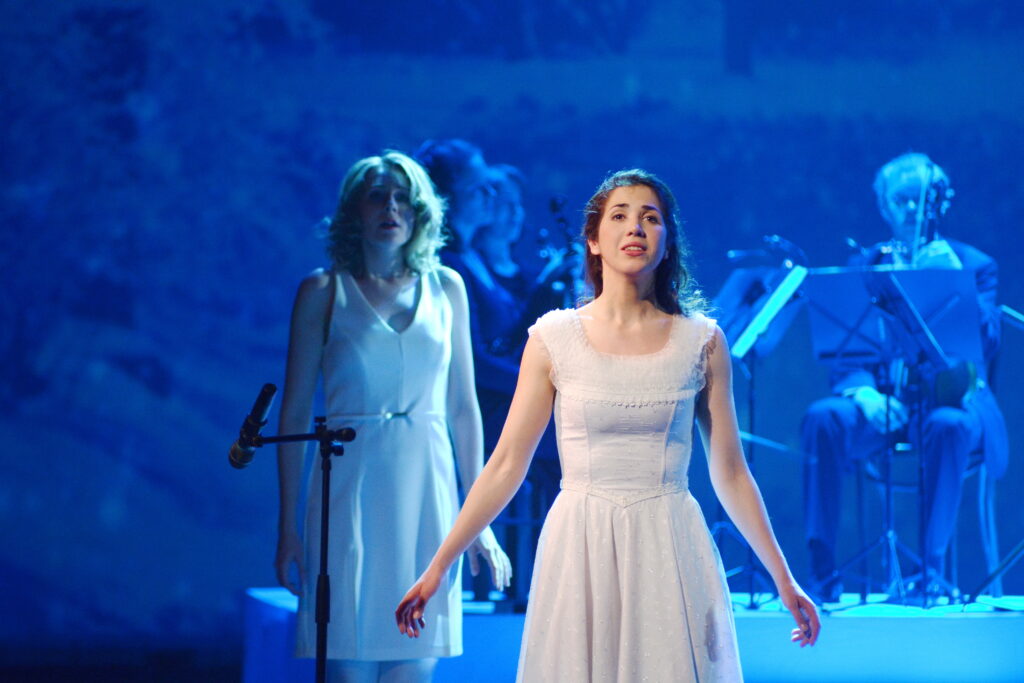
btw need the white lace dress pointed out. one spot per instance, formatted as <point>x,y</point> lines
<point>628,584</point>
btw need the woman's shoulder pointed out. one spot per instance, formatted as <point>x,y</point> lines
<point>450,280</point>
<point>313,297</point>
<point>317,284</point>
<point>696,319</point>
<point>554,327</point>
<point>701,325</point>
<point>448,277</point>
<point>556,318</point>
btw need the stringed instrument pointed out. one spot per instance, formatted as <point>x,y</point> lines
<point>931,374</point>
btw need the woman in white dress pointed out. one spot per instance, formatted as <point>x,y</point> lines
<point>386,328</point>
<point>628,584</point>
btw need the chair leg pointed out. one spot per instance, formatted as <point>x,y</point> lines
<point>953,564</point>
<point>862,533</point>
<point>987,518</point>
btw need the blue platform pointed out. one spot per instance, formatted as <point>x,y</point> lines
<point>875,642</point>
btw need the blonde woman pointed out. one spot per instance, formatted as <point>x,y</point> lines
<point>386,329</point>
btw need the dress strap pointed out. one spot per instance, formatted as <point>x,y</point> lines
<point>332,301</point>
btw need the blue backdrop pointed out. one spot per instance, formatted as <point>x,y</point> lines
<point>164,166</point>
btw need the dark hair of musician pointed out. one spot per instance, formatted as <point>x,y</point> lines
<point>447,162</point>
<point>674,290</point>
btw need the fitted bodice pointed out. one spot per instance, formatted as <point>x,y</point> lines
<point>373,372</point>
<point>624,423</point>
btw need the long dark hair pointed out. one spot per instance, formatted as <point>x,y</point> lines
<point>674,288</point>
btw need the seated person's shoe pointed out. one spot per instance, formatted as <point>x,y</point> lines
<point>829,589</point>
<point>826,585</point>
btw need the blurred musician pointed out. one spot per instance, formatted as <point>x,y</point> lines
<point>913,193</point>
<point>462,177</point>
<point>553,280</point>
<point>496,240</point>
<point>557,284</point>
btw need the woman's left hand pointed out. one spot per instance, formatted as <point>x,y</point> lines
<point>487,545</point>
<point>409,613</point>
<point>804,612</point>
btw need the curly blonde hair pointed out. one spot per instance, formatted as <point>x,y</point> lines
<point>345,232</point>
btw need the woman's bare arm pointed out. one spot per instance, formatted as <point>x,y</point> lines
<point>500,479</point>
<point>305,346</point>
<point>465,424</point>
<point>737,490</point>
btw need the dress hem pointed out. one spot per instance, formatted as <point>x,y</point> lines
<point>393,656</point>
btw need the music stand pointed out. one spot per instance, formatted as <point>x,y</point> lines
<point>945,299</point>
<point>875,316</point>
<point>755,315</point>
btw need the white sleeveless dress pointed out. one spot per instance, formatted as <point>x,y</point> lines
<point>393,493</point>
<point>628,584</point>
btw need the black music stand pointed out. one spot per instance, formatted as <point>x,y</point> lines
<point>879,315</point>
<point>757,308</point>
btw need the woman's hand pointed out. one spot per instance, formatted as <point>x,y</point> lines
<point>409,614</point>
<point>289,550</point>
<point>804,612</point>
<point>487,545</point>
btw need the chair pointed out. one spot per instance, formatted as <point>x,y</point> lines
<point>986,518</point>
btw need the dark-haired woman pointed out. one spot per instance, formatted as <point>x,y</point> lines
<point>386,328</point>
<point>628,583</point>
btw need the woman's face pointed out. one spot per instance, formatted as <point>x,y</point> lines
<point>474,199</point>
<point>508,215</point>
<point>631,235</point>
<point>385,210</point>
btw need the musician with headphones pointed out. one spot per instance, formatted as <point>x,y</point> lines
<point>913,193</point>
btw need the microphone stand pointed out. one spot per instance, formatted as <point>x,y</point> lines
<point>327,438</point>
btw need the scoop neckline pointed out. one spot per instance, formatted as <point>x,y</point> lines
<point>578,322</point>
<point>418,284</point>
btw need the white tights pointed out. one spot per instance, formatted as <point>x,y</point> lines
<point>400,671</point>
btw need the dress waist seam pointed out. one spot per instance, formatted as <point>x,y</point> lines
<point>625,497</point>
<point>387,415</point>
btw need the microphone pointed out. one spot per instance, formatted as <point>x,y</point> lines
<point>855,246</point>
<point>780,245</point>
<point>775,248</point>
<point>243,450</point>
<point>345,434</point>
<point>734,255</point>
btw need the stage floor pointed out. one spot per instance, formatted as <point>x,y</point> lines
<point>875,641</point>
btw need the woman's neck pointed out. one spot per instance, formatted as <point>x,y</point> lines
<point>626,299</point>
<point>383,262</point>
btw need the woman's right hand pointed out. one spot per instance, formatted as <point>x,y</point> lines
<point>409,614</point>
<point>289,550</point>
